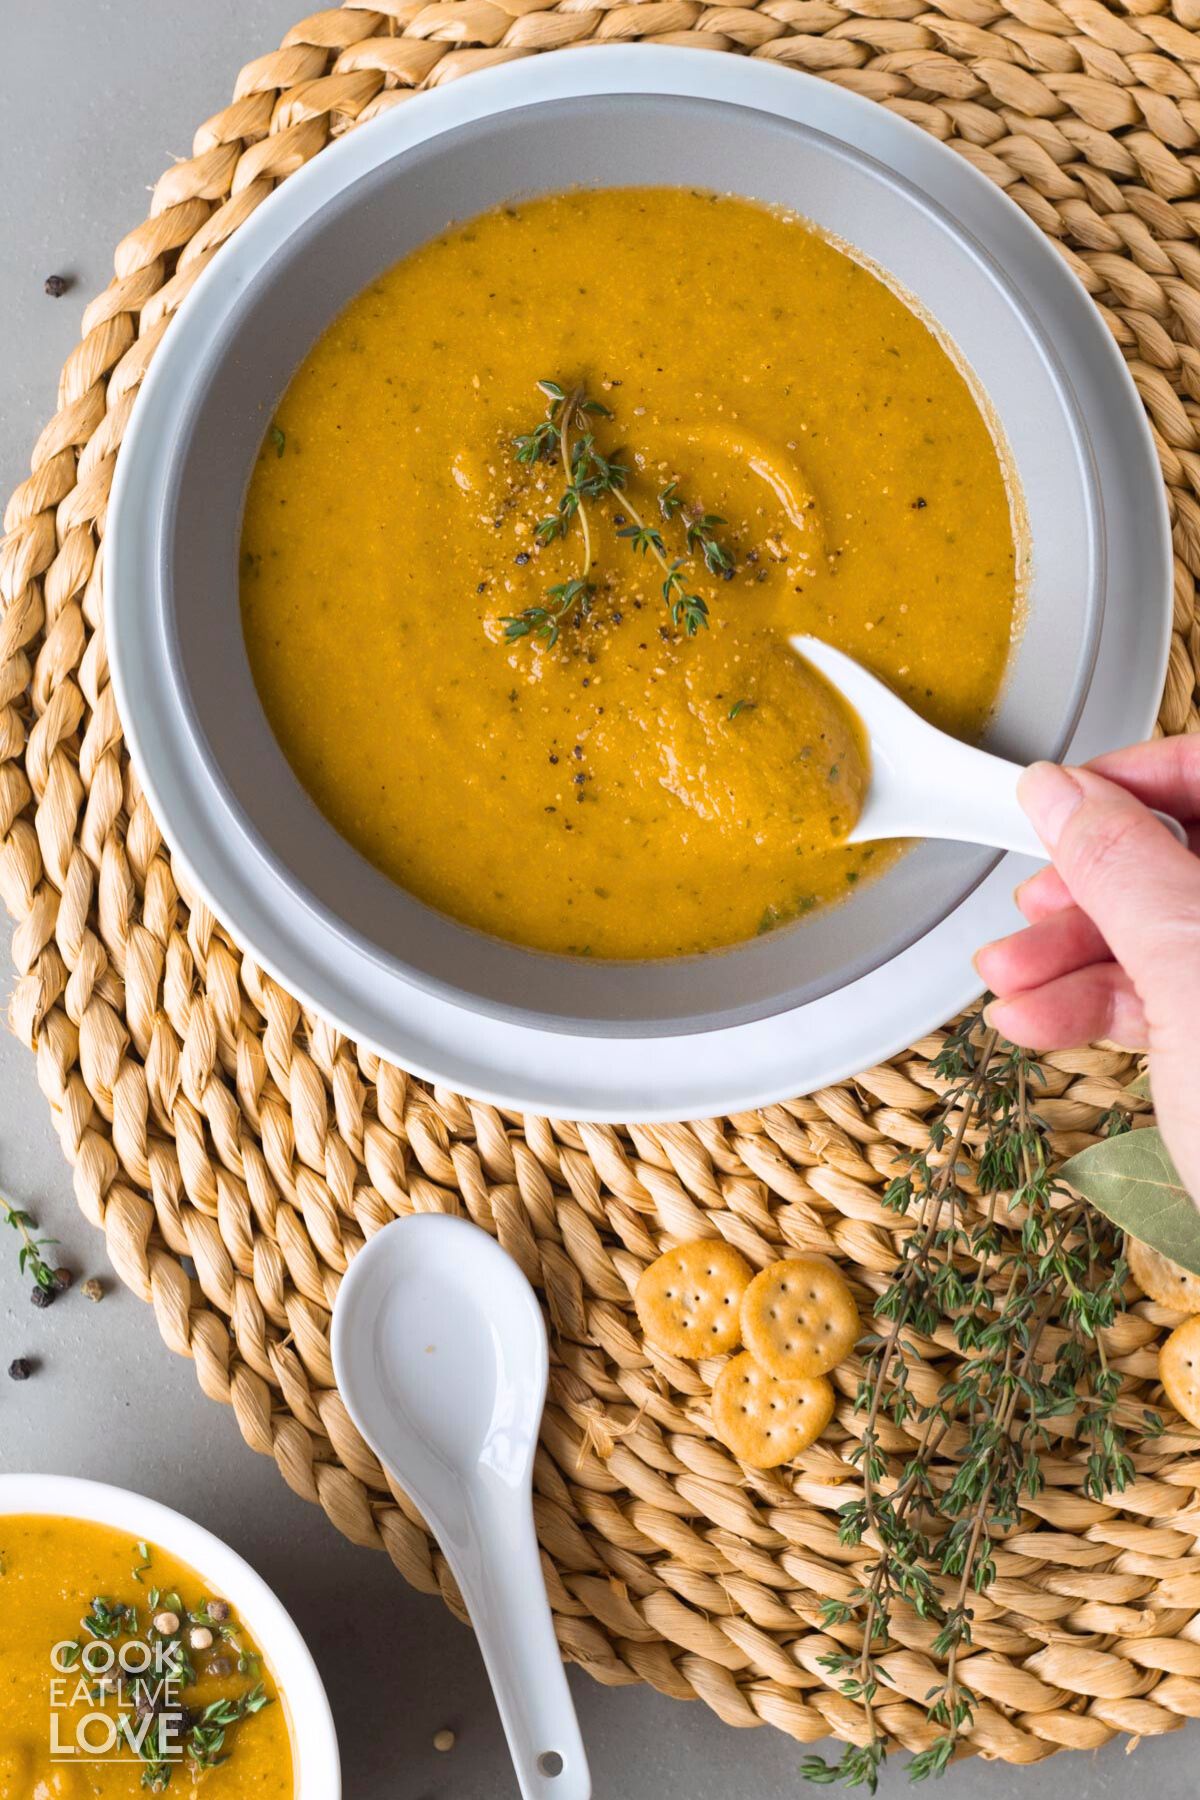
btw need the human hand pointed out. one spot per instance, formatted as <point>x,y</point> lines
<point>1112,947</point>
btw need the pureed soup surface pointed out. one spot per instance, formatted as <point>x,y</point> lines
<point>67,1582</point>
<point>588,777</point>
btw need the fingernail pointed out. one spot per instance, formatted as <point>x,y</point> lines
<point>977,962</point>
<point>1049,795</point>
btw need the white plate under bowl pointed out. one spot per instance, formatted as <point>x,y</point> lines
<point>317,1767</point>
<point>606,1070</point>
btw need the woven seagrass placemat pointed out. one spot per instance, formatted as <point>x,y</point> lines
<point>235,1151</point>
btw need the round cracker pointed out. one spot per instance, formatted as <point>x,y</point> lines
<point>799,1318</point>
<point>1179,1369</point>
<point>688,1298</point>
<point>763,1420</point>
<point>1161,1279</point>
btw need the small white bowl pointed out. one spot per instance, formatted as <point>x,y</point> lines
<point>314,1738</point>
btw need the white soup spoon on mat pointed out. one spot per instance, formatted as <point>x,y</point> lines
<point>924,783</point>
<point>439,1348</point>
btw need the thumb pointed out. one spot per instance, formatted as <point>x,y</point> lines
<point>1137,885</point>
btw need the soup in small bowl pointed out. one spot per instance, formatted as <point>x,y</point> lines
<point>139,1655</point>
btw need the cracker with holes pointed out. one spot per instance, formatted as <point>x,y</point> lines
<point>763,1420</point>
<point>688,1298</point>
<point>1179,1370</point>
<point>799,1318</point>
<point>1161,1279</point>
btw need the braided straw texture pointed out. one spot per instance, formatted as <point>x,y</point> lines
<point>236,1152</point>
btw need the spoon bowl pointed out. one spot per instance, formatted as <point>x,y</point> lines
<point>440,1353</point>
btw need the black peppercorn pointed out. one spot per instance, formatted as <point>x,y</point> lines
<point>43,1296</point>
<point>20,1369</point>
<point>56,286</point>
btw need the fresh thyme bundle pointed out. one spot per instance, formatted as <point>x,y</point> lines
<point>998,1250</point>
<point>567,433</point>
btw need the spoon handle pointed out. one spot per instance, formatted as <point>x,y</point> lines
<point>505,1594</point>
<point>952,790</point>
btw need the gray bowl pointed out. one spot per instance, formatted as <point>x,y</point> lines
<point>1023,326</point>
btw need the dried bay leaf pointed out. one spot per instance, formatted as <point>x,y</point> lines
<point>1133,1182</point>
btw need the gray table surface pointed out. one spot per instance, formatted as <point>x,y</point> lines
<point>96,97</point>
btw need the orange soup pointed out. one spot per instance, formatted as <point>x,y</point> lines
<point>528,535</point>
<point>121,1674</point>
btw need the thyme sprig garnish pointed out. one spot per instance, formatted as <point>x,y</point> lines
<point>566,434</point>
<point>30,1259</point>
<point>981,1191</point>
<point>152,1720</point>
<point>206,1739</point>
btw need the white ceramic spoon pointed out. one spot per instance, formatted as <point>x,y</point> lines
<point>440,1354</point>
<point>925,784</point>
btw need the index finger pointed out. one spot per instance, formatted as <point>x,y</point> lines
<point>1164,773</point>
<point>1127,873</point>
